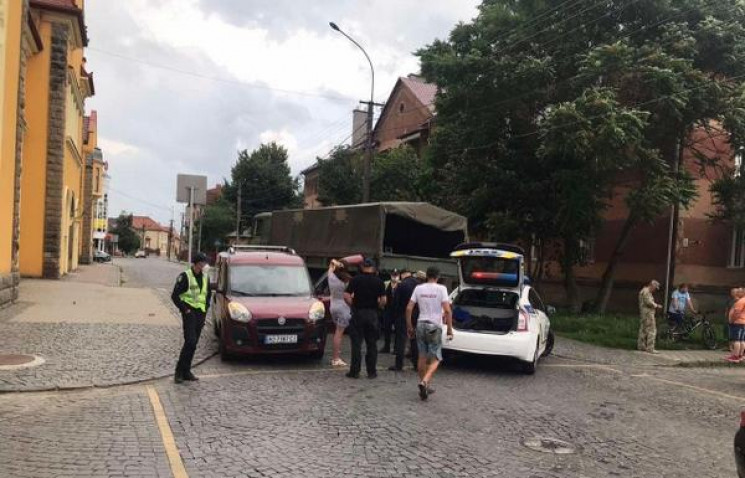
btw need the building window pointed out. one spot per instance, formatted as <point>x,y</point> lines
<point>587,250</point>
<point>737,251</point>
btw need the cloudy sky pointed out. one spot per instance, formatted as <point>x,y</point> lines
<point>182,85</point>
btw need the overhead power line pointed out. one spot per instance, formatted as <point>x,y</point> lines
<point>220,79</point>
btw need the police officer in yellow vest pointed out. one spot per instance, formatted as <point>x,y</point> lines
<point>191,294</point>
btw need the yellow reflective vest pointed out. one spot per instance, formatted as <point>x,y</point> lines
<point>195,297</point>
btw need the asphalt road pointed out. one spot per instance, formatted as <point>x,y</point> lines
<point>293,417</point>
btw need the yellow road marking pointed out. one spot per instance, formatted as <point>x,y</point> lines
<point>174,458</point>
<point>692,387</point>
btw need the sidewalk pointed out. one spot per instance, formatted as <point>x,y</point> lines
<point>91,332</point>
<point>575,350</point>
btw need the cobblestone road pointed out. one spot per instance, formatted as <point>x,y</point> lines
<point>291,418</point>
<point>627,414</point>
<point>96,334</point>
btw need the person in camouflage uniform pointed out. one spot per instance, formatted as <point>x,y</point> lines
<point>648,326</point>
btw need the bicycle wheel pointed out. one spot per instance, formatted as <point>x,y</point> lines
<point>710,338</point>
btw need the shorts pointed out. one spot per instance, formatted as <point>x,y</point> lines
<point>341,317</point>
<point>737,332</point>
<point>429,339</point>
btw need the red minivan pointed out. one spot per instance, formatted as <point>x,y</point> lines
<point>264,304</point>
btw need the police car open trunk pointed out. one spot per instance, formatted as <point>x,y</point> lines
<point>488,299</point>
<point>486,310</point>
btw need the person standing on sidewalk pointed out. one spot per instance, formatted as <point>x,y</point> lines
<point>366,295</point>
<point>647,325</point>
<point>401,298</point>
<point>434,303</point>
<point>191,295</point>
<point>340,312</point>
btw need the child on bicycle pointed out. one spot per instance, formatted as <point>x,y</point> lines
<point>736,318</point>
<point>680,300</point>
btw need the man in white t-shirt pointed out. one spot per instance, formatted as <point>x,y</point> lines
<point>434,303</point>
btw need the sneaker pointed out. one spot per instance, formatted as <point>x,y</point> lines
<point>423,391</point>
<point>351,375</point>
<point>653,352</point>
<point>430,390</point>
<point>393,368</point>
<point>372,376</point>
<point>338,363</point>
<point>191,377</point>
<point>733,359</point>
<point>178,378</point>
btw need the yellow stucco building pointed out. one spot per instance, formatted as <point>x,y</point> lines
<point>53,163</point>
<point>43,88</point>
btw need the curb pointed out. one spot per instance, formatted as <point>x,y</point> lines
<point>68,388</point>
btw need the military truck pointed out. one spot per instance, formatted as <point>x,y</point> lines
<point>411,235</point>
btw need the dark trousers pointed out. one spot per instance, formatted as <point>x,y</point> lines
<point>386,328</point>
<point>193,323</point>
<point>399,347</point>
<point>364,327</point>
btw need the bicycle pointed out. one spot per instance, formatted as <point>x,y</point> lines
<point>683,331</point>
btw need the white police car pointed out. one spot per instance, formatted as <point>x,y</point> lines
<point>495,311</point>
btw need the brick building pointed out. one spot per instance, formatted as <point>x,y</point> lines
<point>407,118</point>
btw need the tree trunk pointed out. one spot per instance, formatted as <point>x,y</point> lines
<point>606,285</point>
<point>538,271</point>
<point>570,280</point>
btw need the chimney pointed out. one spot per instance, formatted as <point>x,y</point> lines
<point>359,128</point>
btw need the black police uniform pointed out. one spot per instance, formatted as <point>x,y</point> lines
<point>366,290</point>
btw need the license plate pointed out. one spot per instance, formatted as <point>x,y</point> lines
<point>280,339</point>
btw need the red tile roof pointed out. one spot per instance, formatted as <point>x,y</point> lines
<point>424,92</point>
<point>144,222</point>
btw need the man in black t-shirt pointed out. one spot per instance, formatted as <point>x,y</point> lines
<point>365,294</point>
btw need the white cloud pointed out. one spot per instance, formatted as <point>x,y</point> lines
<point>155,122</point>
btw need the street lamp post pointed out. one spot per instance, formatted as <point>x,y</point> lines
<point>369,142</point>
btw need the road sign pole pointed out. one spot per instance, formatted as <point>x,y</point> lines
<point>191,220</point>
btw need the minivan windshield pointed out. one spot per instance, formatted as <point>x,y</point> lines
<point>497,271</point>
<point>269,281</point>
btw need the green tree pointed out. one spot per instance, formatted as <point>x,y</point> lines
<point>397,175</point>
<point>218,220</point>
<point>340,177</point>
<point>264,178</point>
<point>129,240</point>
<point>543,101</point>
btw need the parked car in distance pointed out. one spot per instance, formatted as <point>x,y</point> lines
<point>101,256</point>
<point>264,304</point>
<point>495,311</point>
<point>140,254</point>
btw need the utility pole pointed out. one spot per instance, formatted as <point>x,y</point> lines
<point>369,150</point>
<point>191,221</point>
<point>199,233</point>
<point>238,216</point>
<point>672,240</point>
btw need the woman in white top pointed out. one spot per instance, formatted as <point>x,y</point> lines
<point>340,312</point>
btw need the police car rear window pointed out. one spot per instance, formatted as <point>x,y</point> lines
<point>497,271</point>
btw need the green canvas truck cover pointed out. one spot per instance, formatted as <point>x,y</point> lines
<point>373,229</point>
